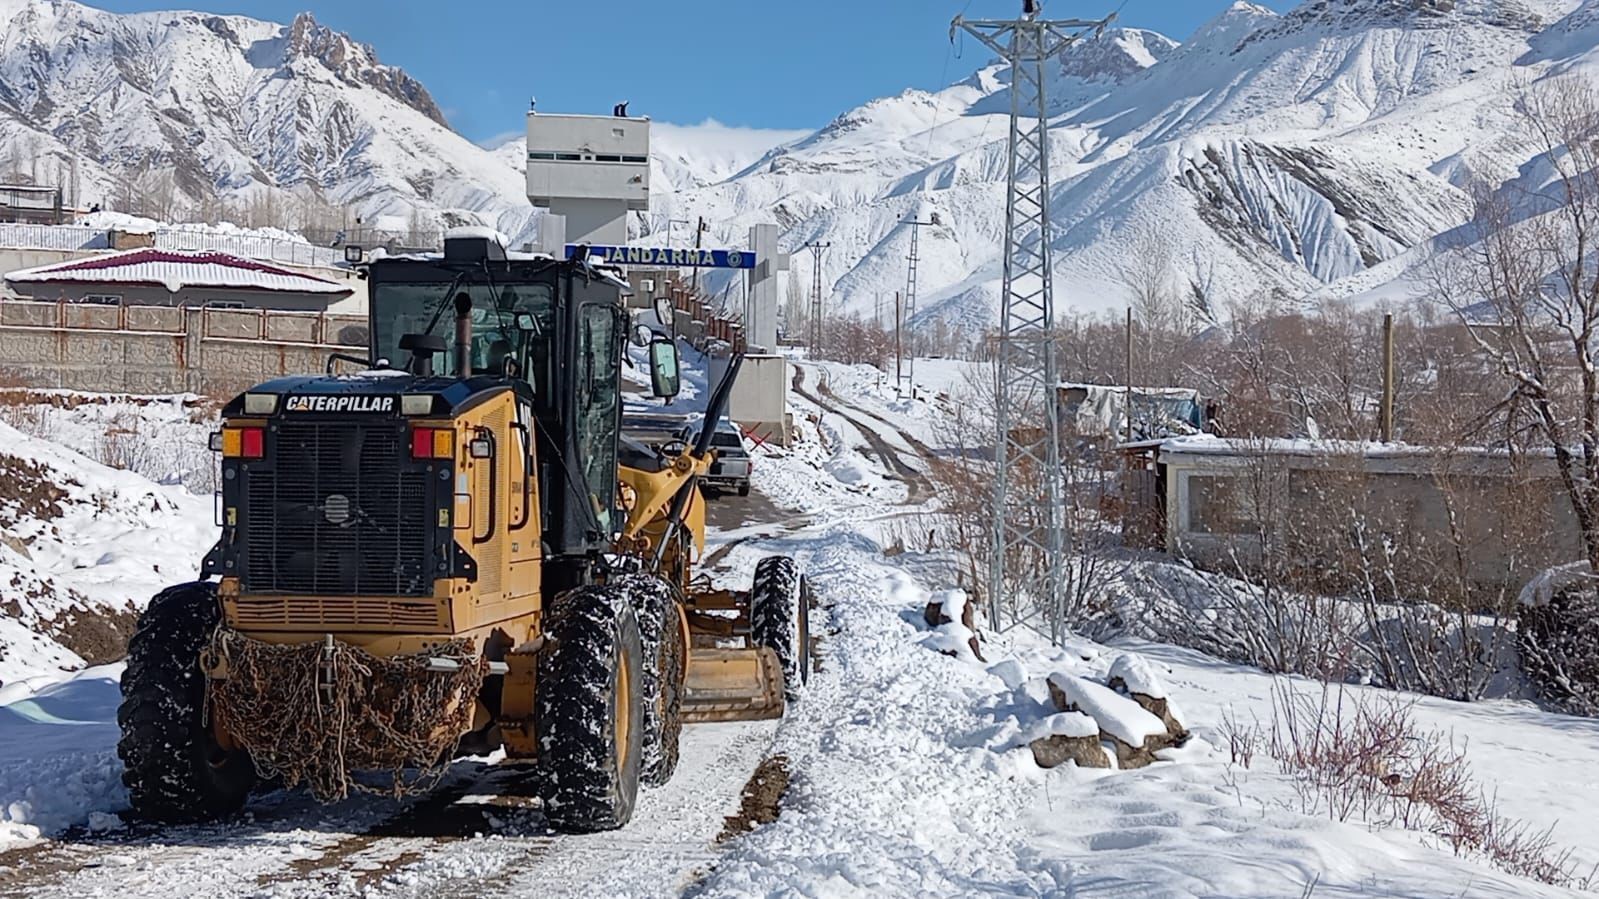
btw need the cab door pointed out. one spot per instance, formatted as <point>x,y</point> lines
<point>523,527</point>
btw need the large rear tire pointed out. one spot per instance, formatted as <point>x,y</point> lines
<point>591,709</point>
<point>658,607</point>
<point>175,769</point>
<point>780,618</point>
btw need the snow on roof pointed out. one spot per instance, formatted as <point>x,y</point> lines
<point>1547,584</point>
<point>477,232</point>
<point>177,269</point>
<point>1209,444</point>
<point>1183,393</point>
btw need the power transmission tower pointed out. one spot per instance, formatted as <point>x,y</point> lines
<point>910,284</point>
<point>818,250</point>
<point>1027,575</point>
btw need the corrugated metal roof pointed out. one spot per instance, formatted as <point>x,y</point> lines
<point>177,269</point>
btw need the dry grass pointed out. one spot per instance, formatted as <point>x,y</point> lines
<point>123,444</point>
<point>1362,756</point>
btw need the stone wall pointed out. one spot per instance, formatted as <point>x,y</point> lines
<point>159,349</point>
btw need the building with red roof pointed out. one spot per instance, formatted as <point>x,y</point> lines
<point>156,277</point>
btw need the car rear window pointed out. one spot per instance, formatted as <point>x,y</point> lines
<point>724,439</point>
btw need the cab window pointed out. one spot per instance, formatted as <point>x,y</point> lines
<point>598,370</point>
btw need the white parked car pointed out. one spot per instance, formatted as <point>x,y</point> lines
<point>731,470</point>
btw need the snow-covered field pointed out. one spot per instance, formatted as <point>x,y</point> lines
<point>910,770</point>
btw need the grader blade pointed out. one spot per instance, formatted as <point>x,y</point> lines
<point>733,685</point>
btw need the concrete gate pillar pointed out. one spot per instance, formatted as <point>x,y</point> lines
<point>761,315</point>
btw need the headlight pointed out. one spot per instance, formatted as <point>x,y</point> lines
<point>260,403</point>
<point>416,404</point>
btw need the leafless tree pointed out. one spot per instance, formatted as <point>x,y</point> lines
<point>1528,292</point>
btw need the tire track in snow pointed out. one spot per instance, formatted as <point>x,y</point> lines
<point>920,448</point>
<point>915,482</point>
<point>671,835</point>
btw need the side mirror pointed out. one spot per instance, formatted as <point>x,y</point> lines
<point>664,312</point>
<point>664,375</point>
<point>526,323</point>
<point>642,335</point>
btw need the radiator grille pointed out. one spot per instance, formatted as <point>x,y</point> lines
<point>335,514</point>
<point>318,613</point>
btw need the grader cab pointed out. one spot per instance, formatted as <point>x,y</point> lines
<point>454,551</point>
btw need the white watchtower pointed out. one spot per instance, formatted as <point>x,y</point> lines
<point>591,170</point>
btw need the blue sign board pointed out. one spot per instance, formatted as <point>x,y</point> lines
<point>667,257</point>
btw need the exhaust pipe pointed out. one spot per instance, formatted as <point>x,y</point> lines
<point>463,335</point>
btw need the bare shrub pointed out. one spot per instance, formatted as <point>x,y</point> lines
<point>1338,568</point>
<point>19,411</point>
<point>1362,756</point>
<point>962,480</point>
<point>854,341</point>
<point>1559,647</point>
<point>123,444</point>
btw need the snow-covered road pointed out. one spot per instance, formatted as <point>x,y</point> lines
<point>910,769</point>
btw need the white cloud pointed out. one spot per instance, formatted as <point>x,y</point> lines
<point>712,130</point>
<point>712,151</point>
<point>501,139</point>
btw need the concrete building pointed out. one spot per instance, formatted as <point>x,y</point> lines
<point>32,204</point>
<point>591,171</point>
<point>1315,506</point>
<point>153,277</point>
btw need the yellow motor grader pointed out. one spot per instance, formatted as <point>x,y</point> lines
<point>451,552</point>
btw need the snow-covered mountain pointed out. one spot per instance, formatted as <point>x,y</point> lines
<point>1307,155</point>
<point>233,106</point>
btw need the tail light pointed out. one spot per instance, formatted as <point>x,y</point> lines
<point>243,443</point>
<point>432,443</point>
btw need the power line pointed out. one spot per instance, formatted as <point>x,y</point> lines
<point>818,250</point>
<point>1028,571</point>
<point>910,286</point>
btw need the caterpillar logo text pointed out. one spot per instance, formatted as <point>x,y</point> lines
<point>360,404</point>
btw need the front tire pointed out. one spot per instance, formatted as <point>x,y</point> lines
<point>172,764</point>
<point>591,710</point>
<point>780,618</point>
<point>658,607</point>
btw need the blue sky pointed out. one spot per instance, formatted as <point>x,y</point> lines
<point>761,64</point>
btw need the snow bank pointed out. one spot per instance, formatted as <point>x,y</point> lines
<point>162,438</point>
<point>58,764</point>
<point>83,541</point>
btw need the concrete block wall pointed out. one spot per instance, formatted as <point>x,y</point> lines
<point>144,349</point>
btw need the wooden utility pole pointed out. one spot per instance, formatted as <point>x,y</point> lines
<point>699,233</point>
<point>1387,422</point>
<point>1129,384</point>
